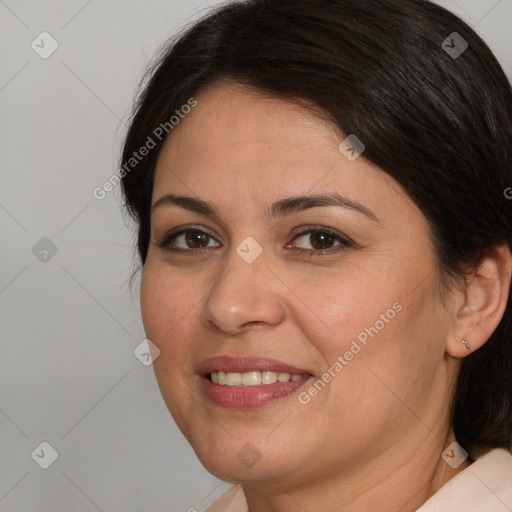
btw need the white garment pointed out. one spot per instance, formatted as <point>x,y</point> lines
<point>484,486</point>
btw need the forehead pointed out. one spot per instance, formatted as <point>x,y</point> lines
<point>231,120</point>
<point>238,143</point>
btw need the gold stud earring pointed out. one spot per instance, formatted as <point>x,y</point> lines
<point>466,343</point>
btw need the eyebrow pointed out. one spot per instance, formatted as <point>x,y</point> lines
<point>280,208</point>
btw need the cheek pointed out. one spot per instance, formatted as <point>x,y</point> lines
<point>167,307</point>
<point>345,305</point>
<point>166,302</point>
<point>373,321</point>
<point>401,351</point>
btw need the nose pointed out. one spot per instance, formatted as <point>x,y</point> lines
<point>244,296</point>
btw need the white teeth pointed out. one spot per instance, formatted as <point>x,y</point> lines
<point>253,378</point>
<point>268,377</point>
<point>233,379</point>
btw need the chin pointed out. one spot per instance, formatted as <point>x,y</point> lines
<point>238,459</point>
<point>231,469</point>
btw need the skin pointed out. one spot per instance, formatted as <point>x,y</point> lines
<point>372,438</point>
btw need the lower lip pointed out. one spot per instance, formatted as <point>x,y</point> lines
<point>250,396</point>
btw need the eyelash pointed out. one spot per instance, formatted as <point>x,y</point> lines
<point>344,243</point>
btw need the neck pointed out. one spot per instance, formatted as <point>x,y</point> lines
<point>393,481</point>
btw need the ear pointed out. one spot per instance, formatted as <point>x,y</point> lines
<point>481,305</point>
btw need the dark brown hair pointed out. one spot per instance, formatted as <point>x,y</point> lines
<point>439,123</point>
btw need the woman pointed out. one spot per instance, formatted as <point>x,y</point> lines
<point>325,245</point>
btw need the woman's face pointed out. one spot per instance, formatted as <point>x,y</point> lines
<point>295,259</point>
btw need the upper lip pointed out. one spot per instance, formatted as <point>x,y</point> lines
<point>248,364</point>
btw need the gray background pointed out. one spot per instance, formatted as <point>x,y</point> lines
<point>70,324</point>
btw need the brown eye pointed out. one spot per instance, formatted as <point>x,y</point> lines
<point>185,240</point>
<point>196,239</point>
<point>318,241</point>
<point>321,240</point>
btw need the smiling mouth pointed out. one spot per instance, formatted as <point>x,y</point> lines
<point>248,382</point>
<point>253,378</point>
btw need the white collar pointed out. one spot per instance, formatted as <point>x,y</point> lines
<point>484,486</point>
